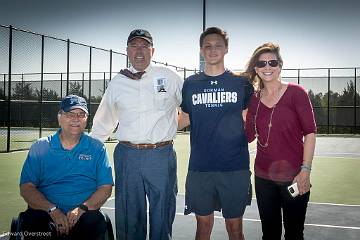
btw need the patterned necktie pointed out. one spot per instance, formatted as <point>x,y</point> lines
<point>129,74</point>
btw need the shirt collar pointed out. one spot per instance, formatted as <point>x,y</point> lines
<point>147,70</point>
<point>55,142</point>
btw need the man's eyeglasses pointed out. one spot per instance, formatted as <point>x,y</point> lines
<point>272,63</point>
<point>73,115</point>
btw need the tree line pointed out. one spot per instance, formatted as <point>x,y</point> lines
<point>341,118</point>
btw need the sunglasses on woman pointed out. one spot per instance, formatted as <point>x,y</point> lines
<point>272,63</point>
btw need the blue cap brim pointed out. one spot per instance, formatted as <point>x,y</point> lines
<point>75,107</point>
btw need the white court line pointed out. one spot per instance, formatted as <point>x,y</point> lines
<point>331,226</point>
<point>351,155</point>
<point>335,153</point>
<point>306,224</point>
<point>330,155</point>
<point>315,203</point>
<point>258,220</point>
<point>335,204</point>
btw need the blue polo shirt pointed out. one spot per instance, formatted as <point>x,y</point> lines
<point>215,105</point>
<point>67,177</point>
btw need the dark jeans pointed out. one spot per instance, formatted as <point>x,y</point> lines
<point>271,198</point>
<point>38,224</point>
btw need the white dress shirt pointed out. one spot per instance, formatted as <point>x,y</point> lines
<point>145,109</point>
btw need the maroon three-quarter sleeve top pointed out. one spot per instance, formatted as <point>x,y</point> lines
<point>293,118</point>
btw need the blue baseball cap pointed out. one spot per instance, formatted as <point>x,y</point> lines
<point>71,102</point>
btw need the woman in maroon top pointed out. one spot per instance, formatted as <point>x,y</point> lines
<point>280,117</point>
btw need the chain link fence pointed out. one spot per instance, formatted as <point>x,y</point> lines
<point>37,71</point>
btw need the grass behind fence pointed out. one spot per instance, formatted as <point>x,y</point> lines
<point>334,180</point>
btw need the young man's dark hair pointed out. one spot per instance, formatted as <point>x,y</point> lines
<point>214,30</point>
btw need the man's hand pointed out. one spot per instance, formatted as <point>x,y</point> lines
<point>73,216</point>
<point>183,119</point>
<point>61,221</point>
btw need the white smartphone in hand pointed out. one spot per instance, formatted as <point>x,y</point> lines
<point>293,189</point>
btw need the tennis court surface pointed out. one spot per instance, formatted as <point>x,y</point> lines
<point>323,221</point>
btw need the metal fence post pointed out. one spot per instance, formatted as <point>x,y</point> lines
<point>68,67</point>
<point>41,84</point>
<point>82,84</point>
<point>90,58</point>
<point>104,80</point>
<point>22,101</point>
<point>111,52</point>
<point>355,98</point>
<point>9,91</point>
<point>4,85</point>
<point>61,85</point>
<point>328,103</point>
<point>298,76</point>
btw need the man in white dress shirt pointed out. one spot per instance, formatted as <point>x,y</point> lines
<point>142,100</point>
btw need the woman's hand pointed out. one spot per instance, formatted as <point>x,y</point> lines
<point>303,181</point>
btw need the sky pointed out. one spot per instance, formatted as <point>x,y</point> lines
<point>310,33</point>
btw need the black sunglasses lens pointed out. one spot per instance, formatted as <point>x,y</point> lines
<point>273,63</point>
<point>260,64</point>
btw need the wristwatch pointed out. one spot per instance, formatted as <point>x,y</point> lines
<point>83,207</point>
<point>50,210</point>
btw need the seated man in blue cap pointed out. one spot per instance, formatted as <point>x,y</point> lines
<point>65,180</point>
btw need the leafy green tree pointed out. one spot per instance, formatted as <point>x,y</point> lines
<point>345,115</point>
<point>2,94</point>
<point>348,94</point>
<point>23,91</point>
<point>48,94</point>
<point>319,110</point>
<point>334,97</point>
<point>75,88</point>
